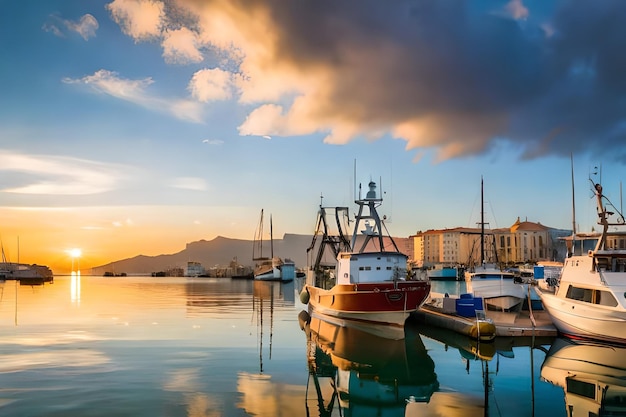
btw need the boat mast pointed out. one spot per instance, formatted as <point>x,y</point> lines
<point>573,202</point>
<point>271,239</point>
<point>482,223</point>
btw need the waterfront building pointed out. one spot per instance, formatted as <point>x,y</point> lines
<point>523,242</point>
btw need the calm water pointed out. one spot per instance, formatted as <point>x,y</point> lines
<point>97,346</point>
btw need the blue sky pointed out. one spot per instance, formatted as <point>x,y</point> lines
<point>131,127</point>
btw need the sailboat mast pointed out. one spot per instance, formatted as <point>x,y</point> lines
<point>271,239</point>
<point>573,201</point>
<point>482,223</point>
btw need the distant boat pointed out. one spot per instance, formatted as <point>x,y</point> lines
<point>444,273</point>
<point>270,268</point>
<point>370,282</point>
<point>498,288</point>
<point>25,273</point>
<point>589,298</point>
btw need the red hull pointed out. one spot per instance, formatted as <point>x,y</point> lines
<point>376,302</point>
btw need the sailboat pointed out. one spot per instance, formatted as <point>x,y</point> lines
<point>270,268</point>
<point>25,273</point>
<point>498,289</point>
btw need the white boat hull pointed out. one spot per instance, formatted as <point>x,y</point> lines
<point>576,318</point>
<point>500,294</point>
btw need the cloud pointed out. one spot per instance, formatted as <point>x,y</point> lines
<point>213,141</point>
<point>121,223</point>
<point>189,183</point>
<point>439,74</point>
<point>57,175</point>
<point>86,27</point>
<point>180,47</point>
<point>140,19</point>
<point>135,91</point>
<point>211,85</point>
<point>516,9</point>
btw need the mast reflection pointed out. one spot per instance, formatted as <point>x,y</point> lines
<point>355,372</point>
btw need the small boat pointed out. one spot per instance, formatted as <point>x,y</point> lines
<point>370,281</point>
<point>592,375</point>
<point>589,298</point>
<point>499,289</point>
<point>444,273</point>
<point>270,268</point>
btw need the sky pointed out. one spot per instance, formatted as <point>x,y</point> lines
<point>133,127</point>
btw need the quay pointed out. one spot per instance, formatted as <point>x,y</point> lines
<point>440,311</point>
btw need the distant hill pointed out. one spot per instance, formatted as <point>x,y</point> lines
<point>219,251</point>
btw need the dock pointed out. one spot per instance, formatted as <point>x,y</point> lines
<point>439,311</point>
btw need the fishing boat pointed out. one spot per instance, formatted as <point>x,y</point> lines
<point>592,375</point>
<point>270,268</point>
<point>498,288</point>
<point>370,281</point>
<point>589,298</point>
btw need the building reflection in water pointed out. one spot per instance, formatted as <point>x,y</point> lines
<point>592,375</point>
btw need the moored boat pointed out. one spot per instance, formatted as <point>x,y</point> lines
<point>270,268</point>
<point>589,298</point>
<point>370,282</point>
<point>499,289</point>
<point>36,274</point>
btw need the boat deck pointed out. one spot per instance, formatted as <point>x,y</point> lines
<point>506,323</point>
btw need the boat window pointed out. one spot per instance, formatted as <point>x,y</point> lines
<point>581,388</point>
<point>378,268</point>
<point>579,294</point>
<point>605,298</point>
<point>389,268</point>
<point>588,295</point>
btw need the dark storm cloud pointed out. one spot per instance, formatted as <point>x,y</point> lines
<point>456,77</point>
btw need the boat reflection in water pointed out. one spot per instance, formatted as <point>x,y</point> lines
<point>363,374</point>
<point>592,375</point>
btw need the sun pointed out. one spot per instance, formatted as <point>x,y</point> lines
<point>75,253</point>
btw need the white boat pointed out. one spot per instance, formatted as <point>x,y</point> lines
<point>592,375</point>
<point>499,289</point>
<point>270,268</point>
<point>370,282</point>
<point>589,298</point>
<point>25,272</point>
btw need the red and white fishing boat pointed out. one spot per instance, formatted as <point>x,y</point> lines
<point>370,281</point>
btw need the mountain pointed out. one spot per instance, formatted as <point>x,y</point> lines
<point>219,251</point>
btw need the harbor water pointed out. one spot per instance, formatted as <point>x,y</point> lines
<point>142,346</point>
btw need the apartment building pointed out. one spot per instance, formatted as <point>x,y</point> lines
<point>523,242</point>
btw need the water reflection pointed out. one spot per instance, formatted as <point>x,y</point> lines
<point>361,373</point>
<point>75,287</point>
<point>592,375</point>
<point>478,397</point>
